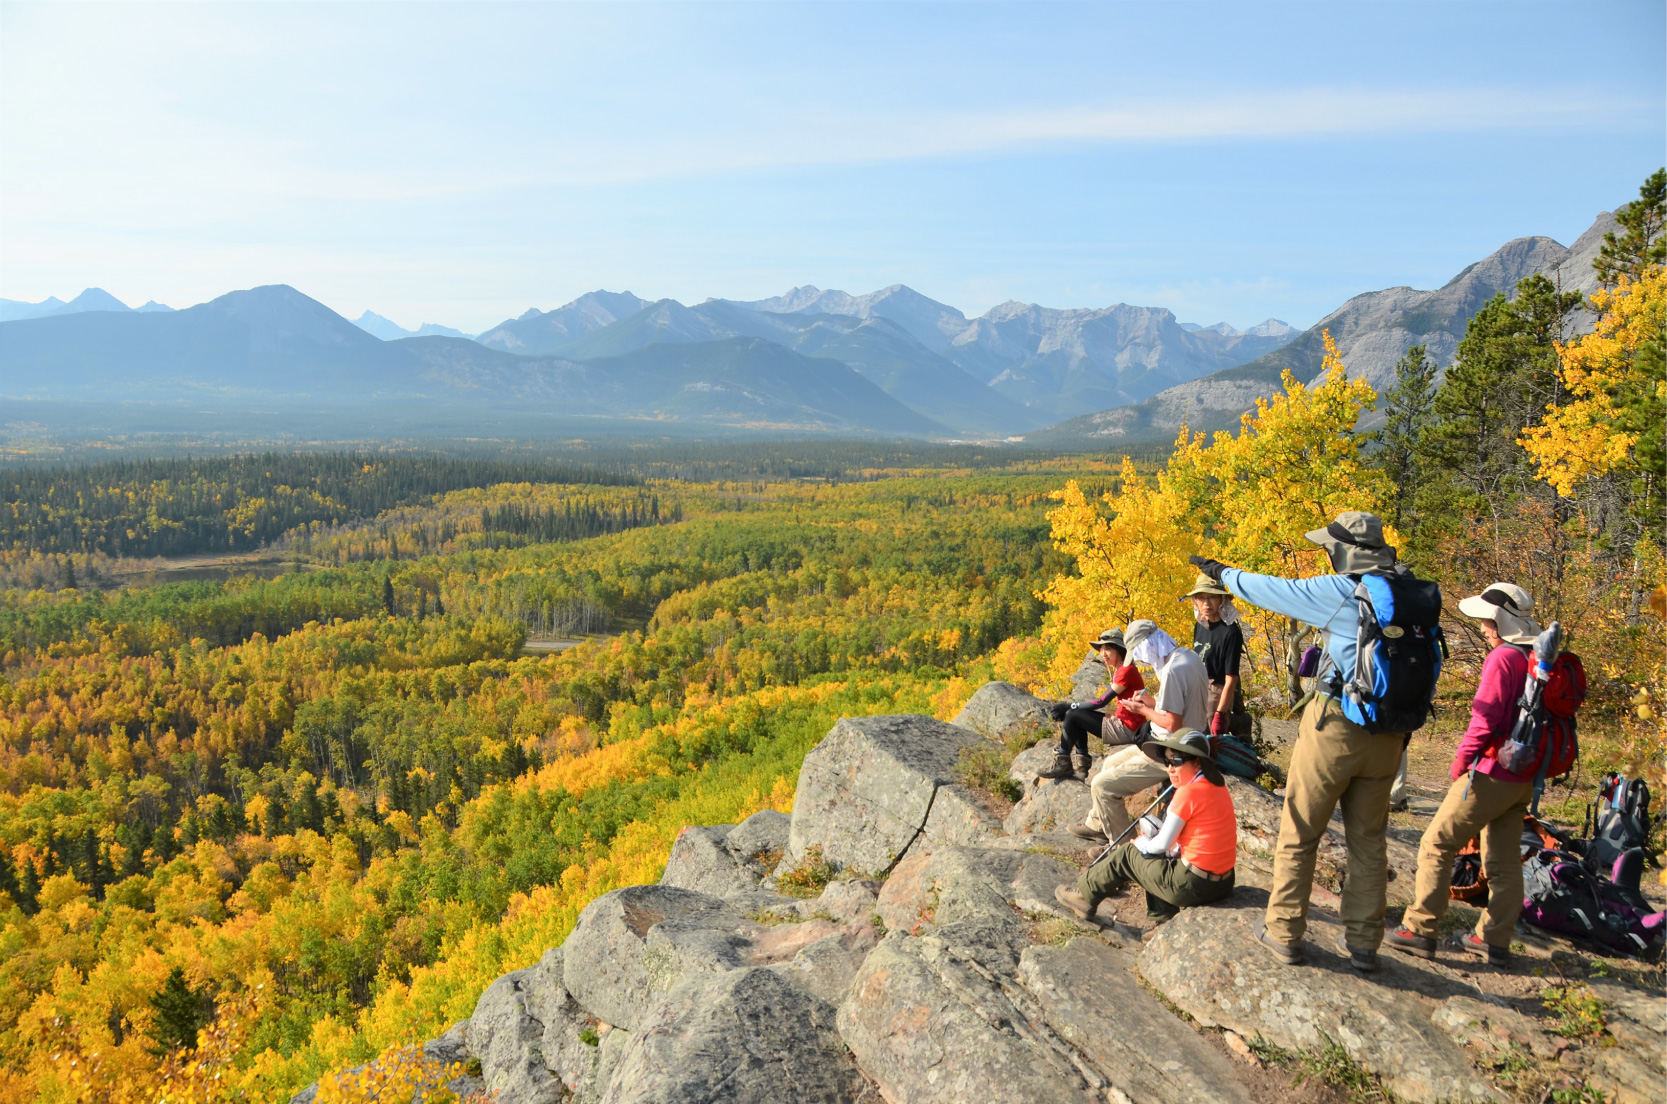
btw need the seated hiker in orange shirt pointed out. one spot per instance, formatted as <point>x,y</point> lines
<point>1186,861</point>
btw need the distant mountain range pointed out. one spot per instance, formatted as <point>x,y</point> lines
<point>93,299</point>
<point>890,362</point>
<point>1371,330</point>
<point>388,330</point>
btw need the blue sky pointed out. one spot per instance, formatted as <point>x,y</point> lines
<point>460,163</point>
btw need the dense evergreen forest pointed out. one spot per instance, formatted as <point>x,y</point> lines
<point>178,507</point>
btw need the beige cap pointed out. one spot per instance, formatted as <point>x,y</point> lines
<point>1507,606</point>
<point>1110,636</point>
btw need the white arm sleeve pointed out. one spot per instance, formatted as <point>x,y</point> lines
<point>1165,839</point>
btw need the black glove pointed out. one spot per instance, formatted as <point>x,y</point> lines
<point>1212,568</point>
<point>1058,710</point>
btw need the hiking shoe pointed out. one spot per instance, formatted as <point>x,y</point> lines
<point>1418,946</point>
<point>1061,768</point>
<point>1092,835</point>
<point>1085,767</point>
<point>1075,901</point>
<point>1290,956</point>
<point>1365,962</point>
<point>1496,956</point>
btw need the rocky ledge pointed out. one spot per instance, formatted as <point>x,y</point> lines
<point>935,965</point>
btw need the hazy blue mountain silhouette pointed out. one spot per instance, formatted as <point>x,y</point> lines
<point>273,346</point>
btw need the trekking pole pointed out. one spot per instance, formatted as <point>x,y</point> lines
<point>1167,790</point>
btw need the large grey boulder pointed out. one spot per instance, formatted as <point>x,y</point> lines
<point>761,839</point>
<point>509,1041</point>
<point>745,1037</point>
<point>930,1021</point>
<point>1053,806</point>
<point>727,859</point>
<point>632,945</point>
<point>875,785</point>
<point>1002,711</point>
<point>1089,996</point>
<point>1090,679</point>
<point>968,885</point>
<point>566,1054</point>
<point>1207,963</point>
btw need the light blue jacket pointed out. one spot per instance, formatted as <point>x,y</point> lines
<point>1326,602</point>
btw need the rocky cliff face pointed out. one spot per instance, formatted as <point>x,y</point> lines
<point>935,965</point>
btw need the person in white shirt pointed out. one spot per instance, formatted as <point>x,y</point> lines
<point>1183,701</point>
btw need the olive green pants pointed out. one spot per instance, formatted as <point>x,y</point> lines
<point>1475,806</point>
<point>1170,887</point>
<point>1335,763</point>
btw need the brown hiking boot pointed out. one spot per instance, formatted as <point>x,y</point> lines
<point>1410,942</point>
<point>1060,769</point>
<point>1075,901</point>
<point>1085,767</point>
<point>1092,835</point>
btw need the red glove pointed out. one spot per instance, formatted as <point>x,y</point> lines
<point>1458,769</point>
<point>1218,724</point>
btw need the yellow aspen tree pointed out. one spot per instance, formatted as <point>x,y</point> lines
<point>1619,389</point>
<point>1245,499</point>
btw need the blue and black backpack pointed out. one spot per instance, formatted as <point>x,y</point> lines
<point>1398,652</point>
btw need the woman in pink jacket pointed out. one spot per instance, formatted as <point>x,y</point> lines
<point>1485,799</point>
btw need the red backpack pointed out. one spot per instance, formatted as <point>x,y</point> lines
<point>1543,742</point>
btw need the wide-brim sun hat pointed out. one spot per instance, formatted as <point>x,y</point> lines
<point>1355,543</point>
<point>1187,741</point>
<point>1507,606</point>
<point>1110,636</point>
<point>1203,586</point>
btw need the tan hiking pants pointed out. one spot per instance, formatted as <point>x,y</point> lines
<point>1123,773</point>
<point>1335,762</point>
<point>1492,810</point>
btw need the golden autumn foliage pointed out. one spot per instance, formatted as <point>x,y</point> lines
<point>1616,389</point>
<point>1245,499</point>
<point>280,783</point>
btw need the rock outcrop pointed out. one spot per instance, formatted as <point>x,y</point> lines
<point>875,785</point>
<point>936,966</point>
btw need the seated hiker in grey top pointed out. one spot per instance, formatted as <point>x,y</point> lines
<point>1183,701</point>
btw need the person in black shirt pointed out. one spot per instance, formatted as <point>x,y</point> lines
<point>1219,642</point>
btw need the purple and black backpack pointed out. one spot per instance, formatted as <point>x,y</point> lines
<point>1561,895</point>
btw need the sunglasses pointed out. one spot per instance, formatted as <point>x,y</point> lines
<point>1173,760</point>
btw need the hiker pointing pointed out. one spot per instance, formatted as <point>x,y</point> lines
<point>1350,740</point>
<point>1485,799</point>
<point>1185,861</point>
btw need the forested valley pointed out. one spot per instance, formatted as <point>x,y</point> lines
<point>258,829</point>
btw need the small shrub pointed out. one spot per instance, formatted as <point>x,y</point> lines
<point>1580,1094</point>
<point>810,877</point>
<point>1331,1064</point>
<point>588,1037</point>
<point>772,918</point>
<point>1271,1054</point>
<point>879,924</point>
<point>985,768</point>
<point>1579,1012</point>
